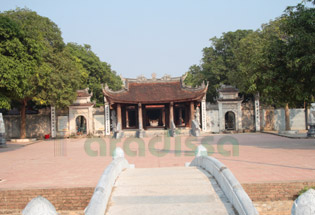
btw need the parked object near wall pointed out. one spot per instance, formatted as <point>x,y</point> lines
<point>311,131</point>
<point>2,132</point>
<point>305,204</point>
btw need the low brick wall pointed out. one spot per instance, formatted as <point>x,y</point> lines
<point>275,191</point>
<point>62,199</point>
<point>274,207</point>
<point>75,199</point>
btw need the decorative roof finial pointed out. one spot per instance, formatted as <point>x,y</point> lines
<point>153,76</point>
<point>166,77</point>
<point>141,78</point>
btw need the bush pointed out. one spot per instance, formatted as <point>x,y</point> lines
<point>305,189</point>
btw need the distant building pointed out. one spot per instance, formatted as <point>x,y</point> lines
<point>156,103</point>
<point>230,109</point>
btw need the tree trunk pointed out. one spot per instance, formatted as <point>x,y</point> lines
<point>287,117</point>
<point>23,119</point>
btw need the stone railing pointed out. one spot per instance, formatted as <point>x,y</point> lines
<point>100,197</point>
<point>102,192</point>
<point>39,206</point>
<point>305,204</point>
<point>227,181</point>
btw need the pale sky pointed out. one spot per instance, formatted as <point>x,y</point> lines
<point>141,37</point>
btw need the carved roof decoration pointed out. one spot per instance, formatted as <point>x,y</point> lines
<point>228,93</point>
<point>155,90</point>
<point>228,89</point>
<point>82,104</point>
<point>84,93</point>
<point>83,98</point>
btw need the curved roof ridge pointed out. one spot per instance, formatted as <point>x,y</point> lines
<point>164,90</point>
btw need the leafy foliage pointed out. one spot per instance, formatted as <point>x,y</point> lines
<point>305,189</point>
<point>261,65</point>
<point>35,66</point>
<point>218,62</point>
<point>276,61</point>
<point>18,57</point>
<point>96,72</point>
<point>299,25</point>
<point>34,63</point>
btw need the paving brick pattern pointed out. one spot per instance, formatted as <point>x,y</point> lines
<point>66,163</point>
<point>58,164</point>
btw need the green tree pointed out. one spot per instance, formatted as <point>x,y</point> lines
<point>98,72</point>
<point>34,63</point>
<point>218,62</point>
<point>194,76</point>
<point>262,67</point>
<point>276,61</point>
<point>299,24</point>
<point>261,64</point>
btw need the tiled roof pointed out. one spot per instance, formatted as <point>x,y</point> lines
<point>228,89</point>
<point>82,104</point>
<point>83,93</point>
<point>155,92</point>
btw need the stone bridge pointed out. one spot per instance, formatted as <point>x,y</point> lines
<point>206,186</point>
<point>175,190</point>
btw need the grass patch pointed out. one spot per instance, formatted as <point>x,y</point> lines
<point>305,189</point>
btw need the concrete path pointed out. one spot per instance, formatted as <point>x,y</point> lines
<point>176,190</point>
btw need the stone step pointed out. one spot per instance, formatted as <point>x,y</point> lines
<point>156,132</point>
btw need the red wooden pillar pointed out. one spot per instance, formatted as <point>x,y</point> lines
<point>171,114</point>
<point>119,119</point>
<point>127,118</point>
<point>140,116</point>
<point>163,116</point>
<point>192,113</point>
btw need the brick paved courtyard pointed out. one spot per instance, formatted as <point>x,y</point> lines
<point>68,162</point>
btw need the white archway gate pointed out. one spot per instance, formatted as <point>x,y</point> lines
<point>229,101</point>
<point>77,111</point>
